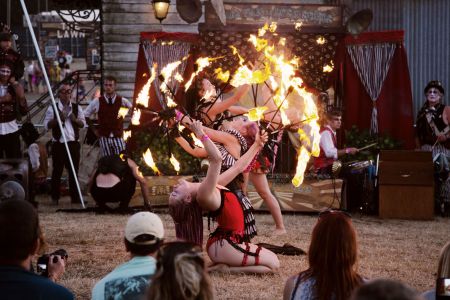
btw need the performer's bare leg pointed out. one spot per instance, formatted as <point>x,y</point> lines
<point>228,259</point>
<point>262,187</point>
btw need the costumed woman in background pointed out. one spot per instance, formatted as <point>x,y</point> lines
<point>226,247</point>
<point>115,181</point>
<point>433,134</point>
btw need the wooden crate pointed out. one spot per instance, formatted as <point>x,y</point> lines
<point>406,185</point>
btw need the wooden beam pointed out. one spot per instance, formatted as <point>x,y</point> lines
<point>119,56</point>
<point>121,47</point>
<point>119,66</point>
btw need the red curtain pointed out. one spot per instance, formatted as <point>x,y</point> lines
<point>394,104</point>
<point>142,67</point>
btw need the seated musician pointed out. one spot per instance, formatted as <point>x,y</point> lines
<point>329,152</point>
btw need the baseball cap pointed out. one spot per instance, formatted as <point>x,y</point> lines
<point>144,228</point>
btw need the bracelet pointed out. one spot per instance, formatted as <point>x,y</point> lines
<point>178,116</point>
<point>204,137</point>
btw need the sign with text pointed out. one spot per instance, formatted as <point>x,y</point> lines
<point>309,15</point>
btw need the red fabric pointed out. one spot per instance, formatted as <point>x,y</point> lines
<point>230,219</point>
<point>394,105</point>
<point>108,117</point>
<point>143,71</point>
<point>322,161</point>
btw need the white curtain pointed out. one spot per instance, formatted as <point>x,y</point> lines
<point>372,62</point>
<point>163,53</point>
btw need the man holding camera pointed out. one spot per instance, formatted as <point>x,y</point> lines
<point>144,235</point>
<point>20,240</point>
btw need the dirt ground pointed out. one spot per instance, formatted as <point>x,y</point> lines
<point>397,249</point>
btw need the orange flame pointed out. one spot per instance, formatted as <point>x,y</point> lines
<point>143,96</point>
<point>175,163</point>
<point>135,119</point>
<point>150,162</point>
<point>197,142</point>
<point>126,135</point>
<point>123,111</point>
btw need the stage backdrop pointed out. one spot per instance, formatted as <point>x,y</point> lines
<point>371,79</point>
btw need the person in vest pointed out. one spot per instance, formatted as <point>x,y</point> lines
<point>433,134</point>
<point>12,103</point>
<point>72,118</point>
<point>8,53</point>
<point>110,124</point>
<point>328,143</point>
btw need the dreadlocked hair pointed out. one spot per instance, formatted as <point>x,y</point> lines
<point>180,274</point>
<point>188,221</point>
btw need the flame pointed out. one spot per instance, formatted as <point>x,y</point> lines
<point>303,158</point>
<point>273,27</point>
<point>178,77</point>
<point>136,117</point>
<point>126,134</point>
<point>262,31</point>
<point>201,63</point>
<point>150,162</point>
<point>143,96</point>
<point>298,25</point>
<point>223,76</point>
<point>257,113</point>
<point>170,102</point>
<point>197,142</point>
<point>328,68</point>
<point>180,127</point>
<point>166,72</point>
<point>175,163</point>
<point>321,40</point>
<point>123,111</point>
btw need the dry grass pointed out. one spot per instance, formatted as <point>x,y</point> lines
<point>403,250</point>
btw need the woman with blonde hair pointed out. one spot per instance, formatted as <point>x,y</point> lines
<point>180,274</point>
<point>443,276</point>
<point>332,258</point>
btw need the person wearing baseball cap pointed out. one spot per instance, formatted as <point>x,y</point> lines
<point>144,234</point>
<point>433,134</point>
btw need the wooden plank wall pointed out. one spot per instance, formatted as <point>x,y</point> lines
<point>123,21</point>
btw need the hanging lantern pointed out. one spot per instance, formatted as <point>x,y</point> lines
<point>161,8</point>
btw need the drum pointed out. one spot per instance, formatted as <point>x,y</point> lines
<point>359,187</point>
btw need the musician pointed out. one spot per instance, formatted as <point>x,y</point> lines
<point>328,143</point>
<point>433,134</point>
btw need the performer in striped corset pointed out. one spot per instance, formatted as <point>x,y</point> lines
<point>433,134</point>
<point>110,124</point>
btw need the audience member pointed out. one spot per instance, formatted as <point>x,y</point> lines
<point>180,274</point>
<point>20,240</point>
<point>12,102</point>
<point>110,122</point>
<point>443,274</point>
<point>144,235</point>
<point>72,118</point>
<point>115,181</point>
<point>332,258</point>
<point>385,289</point>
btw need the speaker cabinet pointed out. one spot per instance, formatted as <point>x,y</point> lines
<point>406,185</point>
<point>14,179</point>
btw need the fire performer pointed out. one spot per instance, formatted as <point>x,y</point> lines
<point>329,152</point>
<point>211,113</point>
<point>110,122</point>
<point>226,247</point>
<point>433,134</point>
<point>232,145</point>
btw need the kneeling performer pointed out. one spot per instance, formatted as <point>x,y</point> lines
<point>226,247</point>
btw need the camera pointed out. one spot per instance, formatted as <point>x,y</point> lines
<point>42,262</point>
<point>443,288</point>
